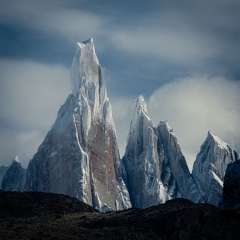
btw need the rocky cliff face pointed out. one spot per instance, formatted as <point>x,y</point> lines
<point>15,176</point>
<point>231,186</point>
<point>155,168</point>
<point>141,162</point>
<point>210,167</point>
<point>175,174</point>
<point>79,156</point>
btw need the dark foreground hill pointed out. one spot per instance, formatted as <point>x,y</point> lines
<point>54,216</point>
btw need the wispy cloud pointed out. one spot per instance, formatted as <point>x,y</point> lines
<point>52,17</point>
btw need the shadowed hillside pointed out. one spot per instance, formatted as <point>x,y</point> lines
<point>54,216</point>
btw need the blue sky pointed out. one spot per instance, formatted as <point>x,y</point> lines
<point>183,56</point>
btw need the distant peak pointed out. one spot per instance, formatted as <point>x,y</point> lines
<point>217,140</point>
<point>16,160</point>
<point>210,134</point>
<point>140,105</point>
<point>85,67</point>
<point>166,125</point>
<point>89,41</point>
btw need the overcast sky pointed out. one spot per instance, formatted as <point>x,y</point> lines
<point>183,56</point>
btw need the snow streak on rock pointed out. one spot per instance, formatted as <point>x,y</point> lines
<point>79,156</point>
<point>210,167</point>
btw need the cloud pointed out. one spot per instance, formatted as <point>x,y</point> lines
<point>122,109</point>
<point>170,45</point>
<point>30,96</point>
<point>52,17</point>
<point>187,33</point>
<point>196,104</point>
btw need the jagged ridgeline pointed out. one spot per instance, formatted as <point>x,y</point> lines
<point>154,166</point>
<point>80,156</point>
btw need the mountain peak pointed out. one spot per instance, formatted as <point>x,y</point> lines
<point>140,105</point>
<point>89,41</point>
<point>166,125</point>
<point>85,70</point>
<point>15,160</point>
<point>217,140</point>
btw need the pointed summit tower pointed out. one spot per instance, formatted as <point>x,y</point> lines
<point>141,161</point>
<point>79,156</point>
<point>154,167</point>
<point>210,167</point>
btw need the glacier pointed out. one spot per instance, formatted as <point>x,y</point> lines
<point>79,156</point>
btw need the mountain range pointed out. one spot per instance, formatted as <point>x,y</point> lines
<point>79,156</point>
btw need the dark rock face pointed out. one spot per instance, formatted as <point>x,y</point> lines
<point>53,216</point>
<point>231,186</point>
<point>14,178</point>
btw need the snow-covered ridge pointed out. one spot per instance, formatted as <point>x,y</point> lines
<point>218,141</point>
<point>85,68</point>
<point>16,160</point>
<point>140,105</point>
<point>140,111</point>
<point>210,167</point>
